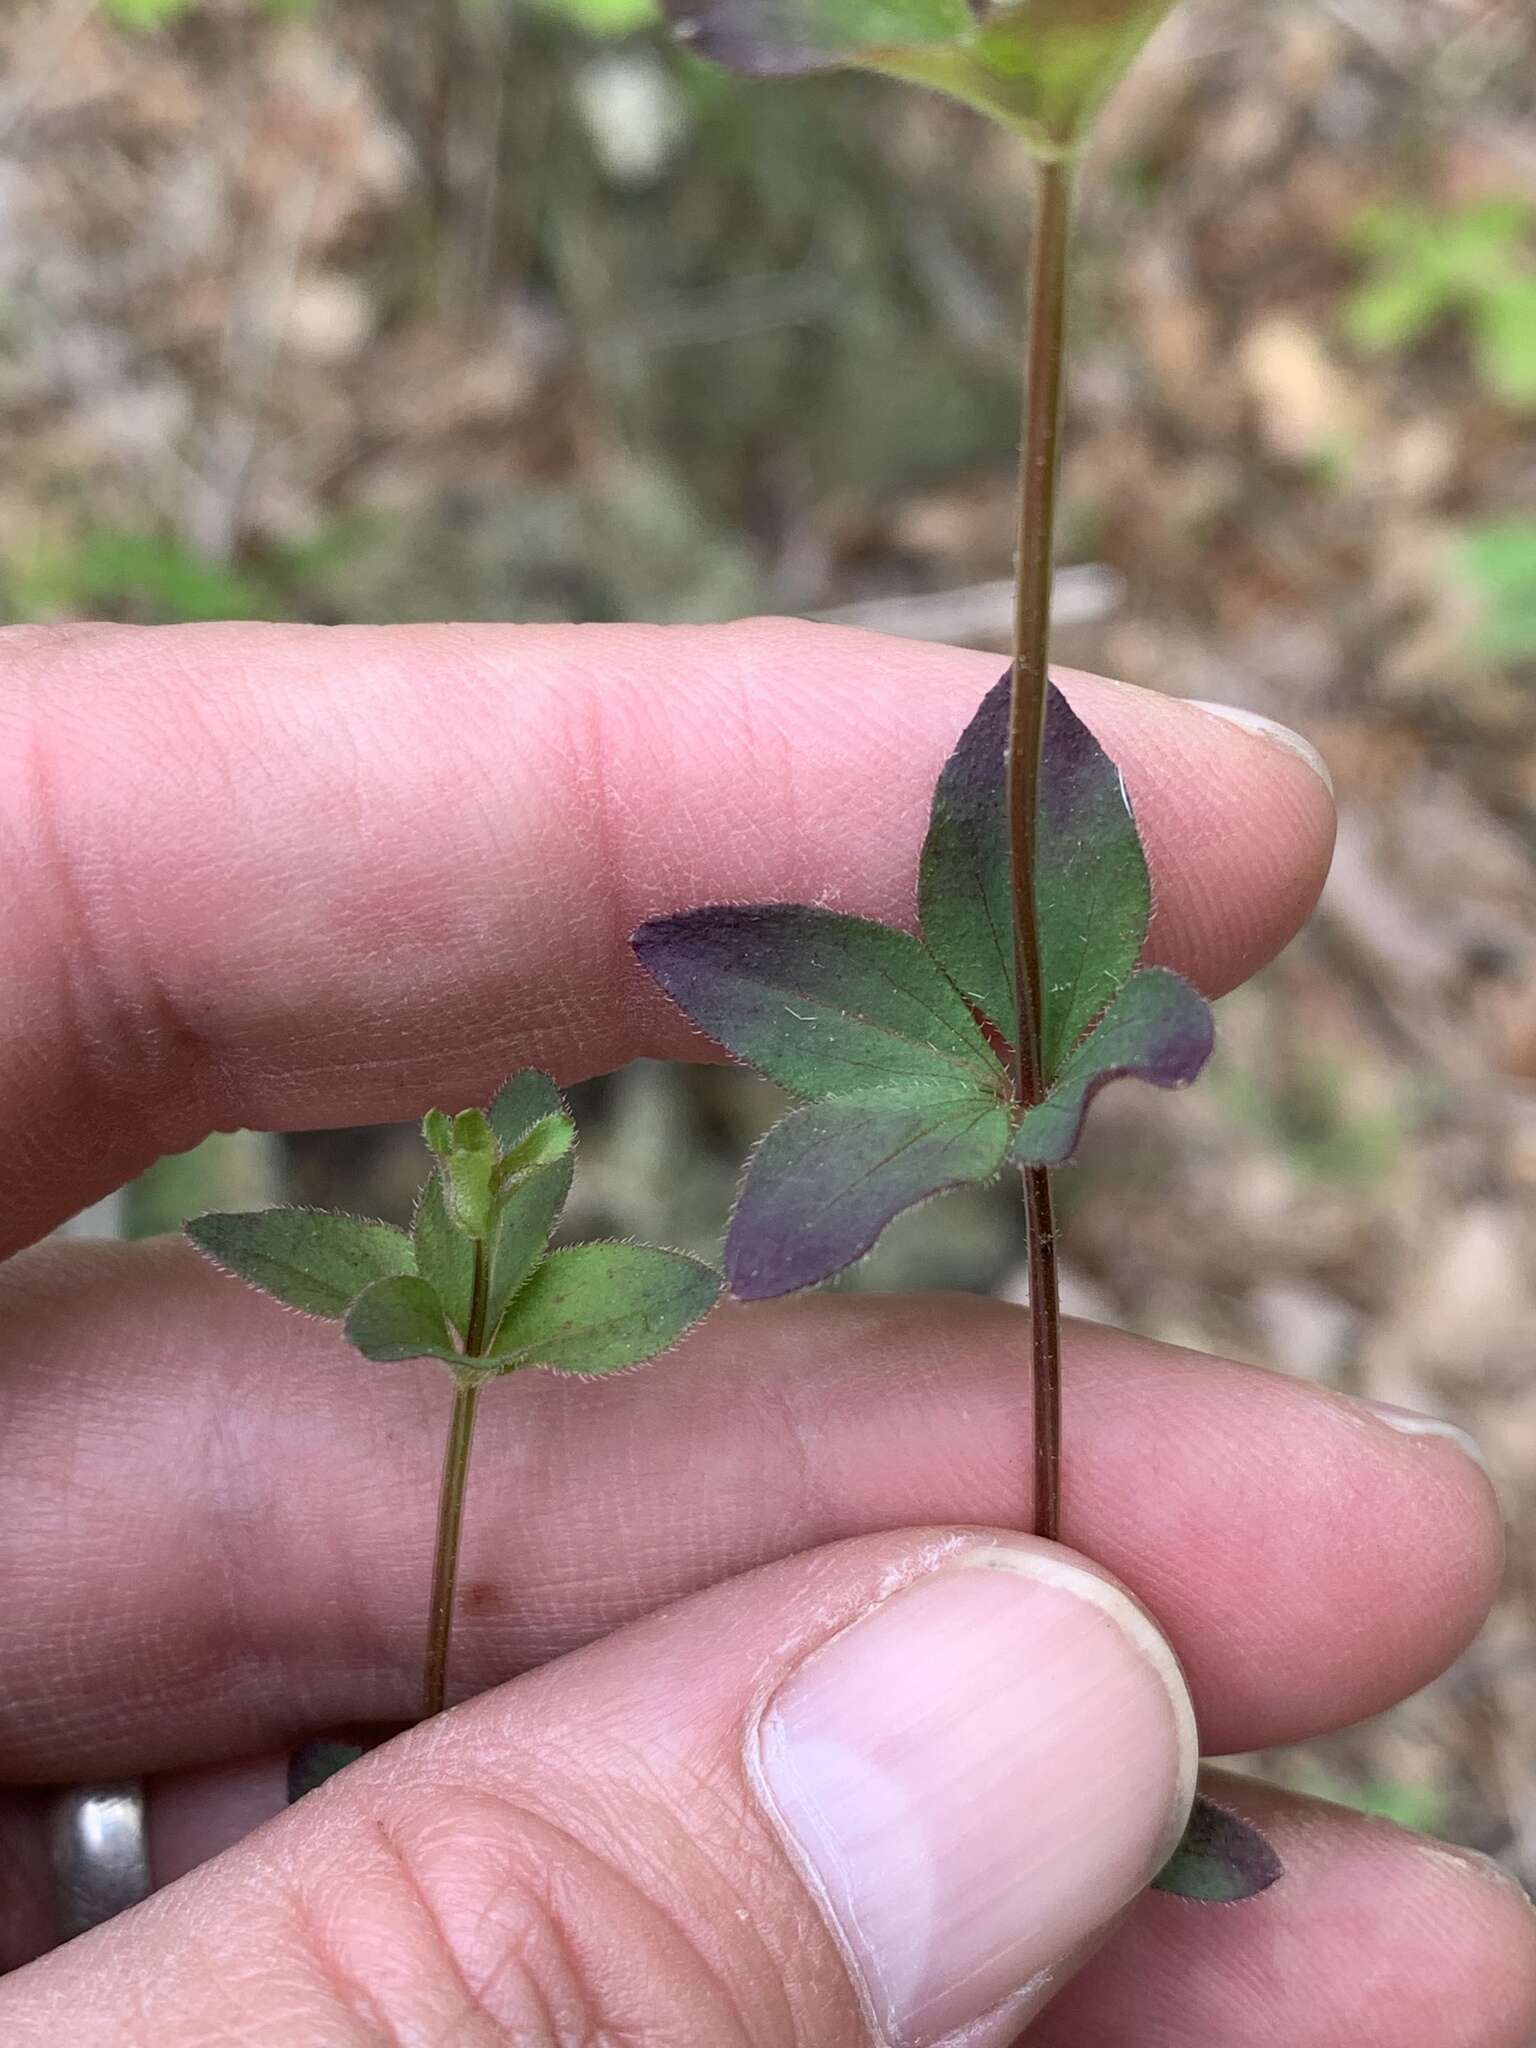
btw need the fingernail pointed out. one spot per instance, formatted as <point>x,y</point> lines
<point>1409,1422</point>
<point>975,1778</point>
<point>1268,729</point>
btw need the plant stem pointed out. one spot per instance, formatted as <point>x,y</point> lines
<point>450,1502</point>
<point>1039,454</point>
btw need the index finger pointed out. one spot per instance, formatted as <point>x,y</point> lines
<point>281,876</point>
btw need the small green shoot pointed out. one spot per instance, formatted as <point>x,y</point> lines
<point>473,1284</point>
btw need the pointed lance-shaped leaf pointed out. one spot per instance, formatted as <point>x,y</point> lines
<point>1157,1029</point>
<point>401,1318</point>
<point>821,1003</point>
<point>827,1180</point>
<point>1092,898</point>
<point>526,1213</point>
<point>965,876</point>
<point>445,1254</point>
<point>1220,1859</point>
<point>472,1132</point>
<point>549,1140</point>
<point>595,1308</point>
<point>312,1259</point>
<point>1042,66</point>
<point>467,1176</point>
<point>520,1103</point>
<point>781,38</point>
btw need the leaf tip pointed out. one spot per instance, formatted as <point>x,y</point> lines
<point>1221,1860</point>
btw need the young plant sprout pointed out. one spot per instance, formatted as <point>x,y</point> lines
<point>473,1285</point>
<point>923,1065</point>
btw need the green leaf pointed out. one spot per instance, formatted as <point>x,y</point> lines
<point>606,18</point>
<point>774,38</point>
<point>1157,1029</point>
<point>549,1141</point>
<point>1092,896</point>
<point>1220,1860</point>
<point>312,1259</point>
<point>520,1103</point>
<point>965,877</point>
<point>437,1132</point>
<point>467,1185</point>
<point>1392,310</point>
<point>1091,889</point>
<point>526,1214</point>
<point>821,1003</point>
<point>596,1307</point>
<point>472,1132</point>
<point>445,1254</point>
<point>1498,560</point>
<point>400,1318</point>
<point>1044,67</point>
<point>827,1180</point>
<point>1506,336</point>
<point>316,1760</point>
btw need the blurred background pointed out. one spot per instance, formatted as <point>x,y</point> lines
<point>389,309</point>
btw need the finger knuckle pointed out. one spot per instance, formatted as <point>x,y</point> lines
<point>458,1918</point>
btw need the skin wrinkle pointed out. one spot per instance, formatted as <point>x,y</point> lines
<point>76,955</point>
<point>549,1858</point>
<point>908,1414</point>
<point>417,1896</point>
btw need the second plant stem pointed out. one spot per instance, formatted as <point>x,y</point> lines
<point>450,1501</point>
<point>1039,461</point>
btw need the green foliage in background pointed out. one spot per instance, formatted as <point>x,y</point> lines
<point>140,578</point>
<point>230,1169</point>
<point>1424,1806</point>
<point>1475,264</point>
<point>152,14</point>
<point>1307,1116</point>
<point>1497,562</point>
<point>146,578</point>
<point>602,18</point>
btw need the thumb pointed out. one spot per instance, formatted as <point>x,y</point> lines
<point>888,1792</point>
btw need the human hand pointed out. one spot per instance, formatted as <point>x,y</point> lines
<point>808,1752</point>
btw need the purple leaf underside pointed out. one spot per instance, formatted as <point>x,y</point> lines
<point>786,38</point>
<point>1157,1029</point>
<point>1220,1859</point>
<point>821,1003</point>
<point>827,1180</point>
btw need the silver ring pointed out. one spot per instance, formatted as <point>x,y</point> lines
<point>100,1854</point>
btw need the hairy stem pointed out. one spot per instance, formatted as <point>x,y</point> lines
<point>1038,463</point>
<point>450,1502</point>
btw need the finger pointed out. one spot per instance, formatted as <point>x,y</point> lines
<point>1375,1937</point>
<point>893,1790</point>
<point>219,1520</point>
<point>285,876</point>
